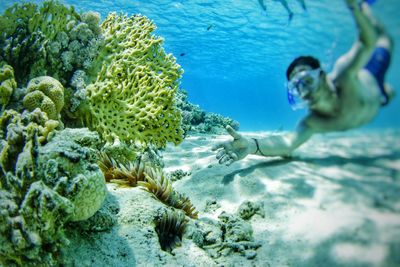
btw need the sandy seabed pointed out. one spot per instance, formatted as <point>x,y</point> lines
<point>336,202</point>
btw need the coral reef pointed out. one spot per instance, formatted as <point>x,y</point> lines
<point>7,84</point>
<point>196,120</point>
<point>32,213</point>
<point>42,188</point>
<point>170,227</point>
<point>51,39</point>
<point>178,175</point>
<point>133,96</point>
<point>211,205</point>
<point>47,94</point>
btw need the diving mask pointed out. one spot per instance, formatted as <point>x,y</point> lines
<point>301,85</point>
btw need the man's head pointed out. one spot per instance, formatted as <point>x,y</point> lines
<point>309,61</point>
<point>303,76</point>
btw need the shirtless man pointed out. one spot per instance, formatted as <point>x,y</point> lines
<point>348,97</point>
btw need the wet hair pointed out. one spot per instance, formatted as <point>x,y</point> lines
<point>303,60</point>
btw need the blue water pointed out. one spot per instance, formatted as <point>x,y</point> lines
<point>236,55</point>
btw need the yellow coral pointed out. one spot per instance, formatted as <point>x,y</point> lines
<point>45,93</point>
<point>7,84</point>
<point>133,97</point>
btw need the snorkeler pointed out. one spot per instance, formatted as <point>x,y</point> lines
<point>348,97</point>
<point>285,5</point>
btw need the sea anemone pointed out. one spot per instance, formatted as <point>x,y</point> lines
<point>128,174</point>
<point>157,183</point>
<point>132,173</point>
<point>107,165</point>
<point>170,228</point>
<point>182,202</point>
<point>151,178</point>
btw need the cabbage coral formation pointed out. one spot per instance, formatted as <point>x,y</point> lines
<point>133,97</point>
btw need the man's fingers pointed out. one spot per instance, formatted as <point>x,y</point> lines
<point>229,162</point>
<point>232,132</point>
<point>224,159</point>
<point>220,154</point>
<point>218,146</point>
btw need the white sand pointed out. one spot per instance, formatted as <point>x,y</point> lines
<point>336,203</point>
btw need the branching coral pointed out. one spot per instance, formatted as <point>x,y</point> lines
<point>170,228</point>
<point>17,129</point>
<point>133,96</point>
<point>7,84</point>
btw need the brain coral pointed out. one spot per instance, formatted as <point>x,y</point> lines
<point>133,97</point>
<point>45,93</point>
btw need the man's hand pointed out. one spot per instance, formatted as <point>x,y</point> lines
<point>231,151</point>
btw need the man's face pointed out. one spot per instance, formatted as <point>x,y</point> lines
<point>304,80</point>
<point>302,85</point>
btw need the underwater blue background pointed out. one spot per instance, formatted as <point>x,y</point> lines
<point>235,54</point>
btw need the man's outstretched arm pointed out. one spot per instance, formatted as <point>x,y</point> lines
<point>284,144</point>
<point>279,145</point>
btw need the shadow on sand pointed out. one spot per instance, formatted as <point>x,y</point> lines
<point>320,161</point>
